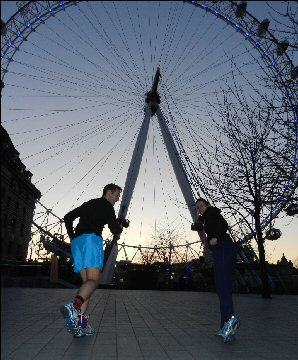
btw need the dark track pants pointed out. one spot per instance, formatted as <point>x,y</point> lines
<point>224,256</point>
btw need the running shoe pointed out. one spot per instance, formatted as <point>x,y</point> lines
<point>85,325</point>
<point>219,332</point>
<point>71,316</point>
<point>230,328</point>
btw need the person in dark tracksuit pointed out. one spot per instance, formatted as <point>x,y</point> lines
<point>224,257</point>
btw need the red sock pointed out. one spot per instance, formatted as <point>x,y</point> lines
<point>78,302</point>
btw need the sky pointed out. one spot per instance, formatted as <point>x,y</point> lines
<point>73,104</point>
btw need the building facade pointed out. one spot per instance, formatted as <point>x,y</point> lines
<point>18,200</point>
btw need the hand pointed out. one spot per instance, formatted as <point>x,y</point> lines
<point>213,241</point>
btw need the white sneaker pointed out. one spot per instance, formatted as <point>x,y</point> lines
<point>71,316</point>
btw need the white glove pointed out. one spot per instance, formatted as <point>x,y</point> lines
<point>213,241</point>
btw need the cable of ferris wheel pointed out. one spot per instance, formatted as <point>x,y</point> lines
<point>193,89</point>
<point>66,64</point>
<point>172,181</point>
<point>137,40</point>
<point>170,34</point>
<point>120,100</point>
<point>212,198</point>
<point>62,127</point>
<point>242,100</point>
<point>73,168</point>
<point>188,161</point>
<point>144,187</point>
<point>185,121</point>
<point>122,32</point>
<point>59,127</point>
<point>166,32</point>
<point>89,134</point>
<point>265,71</point>
<point>194,133</point>
<point>38,116</point>
<point>192,64</point>
<point>75,139</point>
<point>210,67</point>
<point>162,187</point>
<point>176,82</point>
<point>104,158</point>
<point>118,56</point>
<point>83,57</point>
<point>91,76</point>
<point>181,59</point>
<point>177,44</point>
<point>257,106</point>
<point>62,83</point>
<point>140,45</point>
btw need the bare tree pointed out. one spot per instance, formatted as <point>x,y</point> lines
<point>163,246</point>
<point>251,175</point>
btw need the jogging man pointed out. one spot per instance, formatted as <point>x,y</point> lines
<point>88,254</point>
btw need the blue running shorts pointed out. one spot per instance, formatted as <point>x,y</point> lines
<point>87,252</point>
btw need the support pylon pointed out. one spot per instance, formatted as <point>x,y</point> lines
<point>151,108</point>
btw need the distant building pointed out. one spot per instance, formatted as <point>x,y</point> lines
<point>285,261</point>
<point>18,199</point>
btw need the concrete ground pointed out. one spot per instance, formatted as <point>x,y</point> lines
<point>147,325</point>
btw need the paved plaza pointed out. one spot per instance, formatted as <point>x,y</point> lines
<point>147,325</point>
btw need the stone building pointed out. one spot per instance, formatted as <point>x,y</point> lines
<point>18,199</point>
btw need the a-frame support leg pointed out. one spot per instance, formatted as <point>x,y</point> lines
<point>132,175</point>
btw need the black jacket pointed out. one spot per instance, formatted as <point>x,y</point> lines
<point>215,226</point>
<point>94,215</point>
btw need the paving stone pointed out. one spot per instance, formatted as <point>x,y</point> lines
<point>147,325</point>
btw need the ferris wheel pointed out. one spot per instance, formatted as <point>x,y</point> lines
<point>132,93</point>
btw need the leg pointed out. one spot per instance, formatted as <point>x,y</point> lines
<point>91,252</point>
<point>218,275</point>
<point>69,312</point>
<point>224,264</point>
<point>225,257</point>
<point>90,278</point>
<point>87,251</point>
<point>230,263</point>
<point>84,278</point>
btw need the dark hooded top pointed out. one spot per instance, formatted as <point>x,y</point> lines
<point>94,215</point>
<point>215,226</point>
